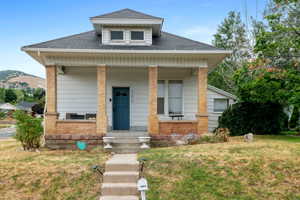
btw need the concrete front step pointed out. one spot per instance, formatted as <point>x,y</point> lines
<point>117,189</point>
<point>127,134</point>
<point>119,198</point>
<point>126,140</point>
<point>120,177</point>
<point>122,162</point>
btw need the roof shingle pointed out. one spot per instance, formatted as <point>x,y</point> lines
<point>90,40</point>
<point>128,14</point>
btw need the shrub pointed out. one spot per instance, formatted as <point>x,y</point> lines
<point>2,115</point>
<point>29,130</point>
<point>258,118</point>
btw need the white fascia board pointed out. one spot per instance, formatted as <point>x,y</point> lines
<point>110,21</point>
<point>226,52</point>
<point>222,92</point>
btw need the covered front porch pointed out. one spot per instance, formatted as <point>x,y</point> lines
<point>96,100</point>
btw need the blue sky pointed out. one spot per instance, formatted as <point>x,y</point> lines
<point>24,22</point>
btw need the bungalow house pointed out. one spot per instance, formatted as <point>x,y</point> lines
<point>128,74</point>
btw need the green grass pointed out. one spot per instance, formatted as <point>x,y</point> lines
<point>48,175</point>
<point>268,168</point>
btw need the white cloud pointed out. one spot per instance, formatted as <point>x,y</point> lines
<point>200,33</point>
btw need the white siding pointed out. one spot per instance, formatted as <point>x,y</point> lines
<point>147,36</point>
<point>213,116</point>
<point>137,80</point>
<point>77,92</point>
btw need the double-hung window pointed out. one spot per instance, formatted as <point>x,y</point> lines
<point>137,35</point>
<point>116,35</point>
<point>175,97</point>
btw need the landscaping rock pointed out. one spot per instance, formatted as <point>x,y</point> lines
<point>190,138</point>
<point>248,137</point>
<point>184,139</point>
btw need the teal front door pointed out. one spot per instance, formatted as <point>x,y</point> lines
<point>121,108</point>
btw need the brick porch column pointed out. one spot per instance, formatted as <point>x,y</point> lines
<point>202,115</point>
<point>101,110</point>
<point>153,126</point>
<point>51,112</point>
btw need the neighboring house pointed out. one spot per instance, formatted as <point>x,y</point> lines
<point>127,74</point>
<point>25,106</point>
<point>7,107</point>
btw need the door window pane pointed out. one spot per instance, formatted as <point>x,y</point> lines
<point>220,105</point>
<point>137,35</point>
<point>116,35</point>
<point>175,97</point>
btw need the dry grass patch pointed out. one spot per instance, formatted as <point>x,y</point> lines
<point>268,168</point>
<point>48,174</point>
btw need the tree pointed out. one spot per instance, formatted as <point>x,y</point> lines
<point>2,94</point>
<point>279,43</point>
<point>38,93</point>
<point>259,83</point>
<point>231,35</point>
<point>10,96</point>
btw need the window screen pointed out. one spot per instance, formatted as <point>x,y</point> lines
<point>137,35</point>
<point>220,105</point>
<point>161,97</point>
<point>116,35</point>
<point>175,97</point>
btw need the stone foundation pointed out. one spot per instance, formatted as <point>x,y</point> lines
<point>68,141</point>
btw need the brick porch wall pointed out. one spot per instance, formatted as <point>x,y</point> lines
<point>83,127</point>
<point>179,127</point>
<point>68,132</point>
<point>68,141</point>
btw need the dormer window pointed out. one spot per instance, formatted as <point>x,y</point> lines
<point>116,35</point>
<point>137,35</point>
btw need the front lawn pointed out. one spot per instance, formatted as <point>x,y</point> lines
<point>48,175</point>
<point>268,168</point>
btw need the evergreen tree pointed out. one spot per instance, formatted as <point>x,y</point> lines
<point>10,96</point>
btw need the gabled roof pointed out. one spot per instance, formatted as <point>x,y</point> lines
<point>24,105</point>
<point>126,13</point>
<point>92,41</point>
<point>222,92</point>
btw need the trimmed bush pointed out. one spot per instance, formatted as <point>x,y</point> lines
<point>29,130</point>
<point>257,118</point>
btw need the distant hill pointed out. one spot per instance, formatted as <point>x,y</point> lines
<point>20,80</point>
<point>5,74</point>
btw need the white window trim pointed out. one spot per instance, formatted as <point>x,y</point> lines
<point>220,112</point>
<point>117,41</point>
<point>166,109</point>
<point>137,41</point>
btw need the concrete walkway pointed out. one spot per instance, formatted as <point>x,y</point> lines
<point>7,132</point>
<point>120,178</point>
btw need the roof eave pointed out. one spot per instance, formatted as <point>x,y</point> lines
<point>224,52</point>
